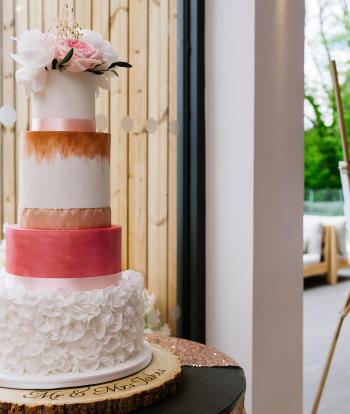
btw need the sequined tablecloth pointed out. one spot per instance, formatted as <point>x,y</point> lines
<point>196,355</point>
<point>193,354</point>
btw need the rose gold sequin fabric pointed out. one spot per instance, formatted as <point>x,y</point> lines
<point>193,354</point>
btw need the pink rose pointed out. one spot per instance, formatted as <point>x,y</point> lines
<point>84,57</point>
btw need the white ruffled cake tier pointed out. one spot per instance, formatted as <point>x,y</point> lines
<point>57,332</point>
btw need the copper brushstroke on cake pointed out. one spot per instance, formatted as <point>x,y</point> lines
<point>64,219</point>
<point>45,145</point>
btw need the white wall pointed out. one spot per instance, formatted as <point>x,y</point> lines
<point>230,176</point>
<point>254,122</point>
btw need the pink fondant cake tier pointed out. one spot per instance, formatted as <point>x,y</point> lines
<point>63,253</point>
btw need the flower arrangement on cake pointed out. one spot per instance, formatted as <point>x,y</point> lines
<point>67,48</point>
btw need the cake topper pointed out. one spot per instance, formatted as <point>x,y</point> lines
<point>66,47</point>
<point>66,26</point>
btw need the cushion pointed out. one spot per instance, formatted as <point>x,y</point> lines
<point>339,222</point>
<point>304,244</point>
<point>310,258</point>
<point>313,232</point>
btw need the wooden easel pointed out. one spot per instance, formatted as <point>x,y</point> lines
<point>346,309</point>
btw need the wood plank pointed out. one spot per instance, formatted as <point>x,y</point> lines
<point>172,166</point>
<point>322,304</point>
<point>22,101</point>
<point>8,98</point>
<point>36,14</point>
<point>163,377</point>
<point>1,151</point>
<point>50,14</point>
<point>158,154</point>
<point>65,4</point>
<point>100,23</point>
<point>137,194</point>
<point>119,16</point>
<point>82,10</point>
<point>35,22</point>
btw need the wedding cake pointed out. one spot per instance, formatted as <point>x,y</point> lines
<point>69,315</point>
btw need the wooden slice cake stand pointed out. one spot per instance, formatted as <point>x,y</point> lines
<point>160,379</point>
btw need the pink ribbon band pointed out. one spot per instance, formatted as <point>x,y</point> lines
<point>33,284</point>
<point>63,124</point>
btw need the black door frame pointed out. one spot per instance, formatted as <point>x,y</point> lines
<point>191,170</point>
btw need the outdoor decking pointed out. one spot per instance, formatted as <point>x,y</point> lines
<point>322,304</point>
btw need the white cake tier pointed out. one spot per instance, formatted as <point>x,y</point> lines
<point>65,331</point>
<point>64,183</point>
<point>67,96</point>
<point>64,169</point>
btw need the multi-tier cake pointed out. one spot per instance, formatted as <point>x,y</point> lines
<point>68,314</point>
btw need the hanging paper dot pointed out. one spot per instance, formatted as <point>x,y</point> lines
<point>8,116</point>
<point>101,122</point>
<point>151,125</point>
<point>127,123</point>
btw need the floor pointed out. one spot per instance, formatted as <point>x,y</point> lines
<point>322,304</point>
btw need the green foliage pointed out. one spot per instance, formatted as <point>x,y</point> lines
<point>322,151</point>
<point>323,148</point>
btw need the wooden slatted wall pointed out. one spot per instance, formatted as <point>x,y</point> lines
<point>143,160</point>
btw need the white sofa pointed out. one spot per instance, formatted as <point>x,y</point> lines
<point>325,249</point>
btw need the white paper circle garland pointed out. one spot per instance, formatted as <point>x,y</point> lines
<point>8,116</point>
<point>127,123</point>
<point>101,122</point>
<point>151,125</point>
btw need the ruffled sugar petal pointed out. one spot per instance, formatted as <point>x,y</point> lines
<point>107,361</point>
<point>62,331</point>
<point>113,345</point>
<point>98,329</point>
<point>117,323</point>
<point>42,325</point>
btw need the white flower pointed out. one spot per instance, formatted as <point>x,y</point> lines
<point>104,81</point>
<point>96,40</point>
<point>165,330</point>
<point>33,80</point>
<point>36,50</point>
<point>152,316</point>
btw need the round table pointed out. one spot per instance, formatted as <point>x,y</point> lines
<point>213,382</point>
<point>205,391</point>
